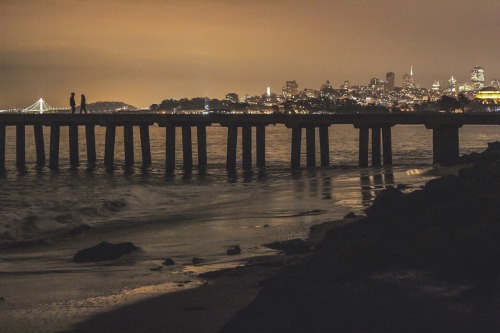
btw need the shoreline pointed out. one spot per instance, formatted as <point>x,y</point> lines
<point>218,298</point>
<point>424,261</point>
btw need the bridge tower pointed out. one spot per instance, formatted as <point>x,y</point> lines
<point>39,106</point>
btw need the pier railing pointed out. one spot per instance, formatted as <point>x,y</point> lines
<point>445,141</point>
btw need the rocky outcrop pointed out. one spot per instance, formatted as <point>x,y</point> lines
<point>104,251</point>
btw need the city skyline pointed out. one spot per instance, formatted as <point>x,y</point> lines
<point>144,53</point>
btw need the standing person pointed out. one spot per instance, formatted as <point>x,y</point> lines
<point>72,103</point>
<point>83,105</point>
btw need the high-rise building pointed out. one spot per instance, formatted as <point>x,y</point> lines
<point>436,85</point>
<point>391,80</point>
<point>477,77</point>
<point>408,80</point>
<point>290,89</point>
<point>373,82</point>
<point>327,90</point>
<point>232,97</point>
<point>452,85</point>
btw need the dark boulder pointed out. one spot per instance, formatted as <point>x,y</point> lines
<point>234,250</point>
<point>104,251</point>
<point>350,215</point>
<point>292,246</point>
<point>493,147</point>
<point>197,261</point>
<point>387,202</point>
<point>444,189</point>
<point>168,262</point>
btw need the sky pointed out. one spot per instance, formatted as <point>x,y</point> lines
<point>141,52</point>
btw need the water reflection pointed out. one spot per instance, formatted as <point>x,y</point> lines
<point>373,181</point>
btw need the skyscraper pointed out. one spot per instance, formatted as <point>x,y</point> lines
<point>232,97</point>
<point>390,78</point>
<point>452,85</point>
<point>436,85</point>
<point>477,77</point>
<point>408,80</point>
<point>290,89</point>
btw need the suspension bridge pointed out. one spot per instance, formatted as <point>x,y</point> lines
<point>39,106</point>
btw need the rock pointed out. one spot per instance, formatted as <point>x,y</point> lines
<point>2,298</point>
<point>292,246</point>
<point>493,147</point>
<point>159,268</point>
<point>168,262</point>
<point>233,250</point>
<point>104,251</point>
<point>386,202</point>
<point>350,215</point>
<point>444,189</point>
<point>403,187</point>
<point>197,260</point>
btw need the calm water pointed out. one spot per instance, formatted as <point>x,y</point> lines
<point>178,216</point>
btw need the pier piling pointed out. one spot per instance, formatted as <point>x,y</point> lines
<point>55,132</point>
<point>324,144</point>
<point>296,147</point>
<point>170,148</point>
<point>128,142</point>
<point>261,146</point>
<point>109,146</point>
<point>387,145</point>
<point>20,146</point>
<point>363,146</point>
<point>90,141</point>
<point>376,153</point>
<point>246,146</point>
<point>145,145</point>
<point>232,141</point>
<point>311,146</point>
<point>73,146</point>
<point>39,144</point>
<point>187,149</point>
<point>201,137</point>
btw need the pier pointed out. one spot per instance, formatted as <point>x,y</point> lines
<point>373,128</point>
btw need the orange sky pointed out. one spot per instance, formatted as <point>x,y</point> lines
<point>141,52</point>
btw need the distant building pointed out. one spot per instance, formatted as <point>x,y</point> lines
<point>346,85</point>
<point>488,95</point>
<point>408,80</point>
<point>436,85</point>
<point>466,86</point>
<point>327,90</point>
<point>477,77</point>
<point>487,100</point>
<point>373,82</point>
<point>391,80</point>
<point>452,85</point>
<point>232,97</point>
<point>290,89</point>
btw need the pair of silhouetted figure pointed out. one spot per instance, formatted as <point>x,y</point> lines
<point>83,104</point>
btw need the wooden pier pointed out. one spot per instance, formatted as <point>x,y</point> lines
<point>372,127</point>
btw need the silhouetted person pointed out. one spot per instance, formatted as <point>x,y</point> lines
<point>83,105</point>
<point>72,103</point>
